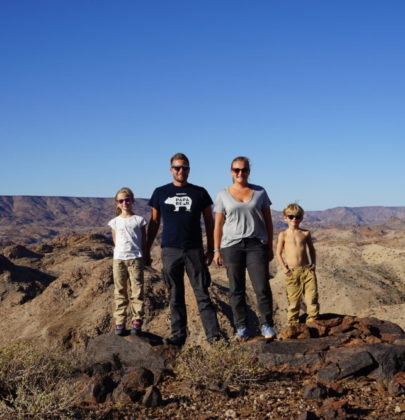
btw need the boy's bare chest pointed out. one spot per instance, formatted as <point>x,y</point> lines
<point>295,239</point>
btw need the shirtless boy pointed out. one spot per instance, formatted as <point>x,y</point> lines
<point>299,270</point>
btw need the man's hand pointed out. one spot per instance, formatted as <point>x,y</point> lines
<point>147,260</point>
<point>209,255</point>
<point>270,253</point>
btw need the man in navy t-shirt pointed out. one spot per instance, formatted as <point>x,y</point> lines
<point>180,205</point>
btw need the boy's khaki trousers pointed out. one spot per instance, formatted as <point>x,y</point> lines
<point>302,283</point>
<point>128,289</point>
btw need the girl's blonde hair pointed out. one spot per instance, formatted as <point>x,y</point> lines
<point>123,190</point>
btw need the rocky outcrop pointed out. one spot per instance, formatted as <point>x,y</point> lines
<point>339,347</point>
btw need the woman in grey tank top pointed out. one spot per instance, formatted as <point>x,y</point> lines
<point>243,240</point>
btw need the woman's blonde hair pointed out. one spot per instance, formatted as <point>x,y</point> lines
<point>244,159</point>
<point>123,190</point>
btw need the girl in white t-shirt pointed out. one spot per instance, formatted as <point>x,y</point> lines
<point>128,232</point>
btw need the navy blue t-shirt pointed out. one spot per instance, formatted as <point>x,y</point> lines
<point>181,209</point>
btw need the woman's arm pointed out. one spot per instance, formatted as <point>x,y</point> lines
<point>219,223</point>
<point>269,226</point>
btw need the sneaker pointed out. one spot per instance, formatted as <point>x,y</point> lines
<point>242,333</point>
<point>267,331</point>
<point>136,327</point>
<point>215,339</point>
<point>120,329</point>
<point>174,341</point>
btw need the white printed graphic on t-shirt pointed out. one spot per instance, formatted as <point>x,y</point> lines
<point>178,202</point>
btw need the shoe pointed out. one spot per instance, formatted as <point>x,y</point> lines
<point>174,341</point>
<point>120,329</point>
<point>136,327</point>
<point>267,331</point>
<point>242,333</point>
<point>215,339</point>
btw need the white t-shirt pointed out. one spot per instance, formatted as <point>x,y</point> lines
<point>128,236</point>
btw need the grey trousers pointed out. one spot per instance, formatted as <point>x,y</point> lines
<point>252,255</point>
<point>175,262</point>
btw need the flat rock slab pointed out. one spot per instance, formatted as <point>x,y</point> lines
<point>130,351</point>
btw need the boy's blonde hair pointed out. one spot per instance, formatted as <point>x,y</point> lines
<point>123,190</point>
<point>293,208</point>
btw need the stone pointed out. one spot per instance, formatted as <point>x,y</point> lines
<point>100,387</point>
<point>294,331</point>
<point>123,352</point>
<point>307,415</point>
<point>333,410</point>
<point>344,362</point>
<point>152,397</point>
<point>314,391</point>
<point>396,385</point>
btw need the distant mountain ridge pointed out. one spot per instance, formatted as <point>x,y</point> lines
<point>29,219</point>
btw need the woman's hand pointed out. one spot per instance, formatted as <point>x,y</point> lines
<point>218,258</point>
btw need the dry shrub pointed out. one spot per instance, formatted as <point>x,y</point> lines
<point>35,382</point>
<point>222,365</point>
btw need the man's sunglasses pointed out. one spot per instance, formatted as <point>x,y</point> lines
<point>294,216</point>
<point>125,200</point>
<point>184,167</point>
<point>243,170</point>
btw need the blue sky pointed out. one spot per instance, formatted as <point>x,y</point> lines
<point>99,94</point>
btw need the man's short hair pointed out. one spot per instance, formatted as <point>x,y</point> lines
<point>179,156</point>
<point>293,208</point>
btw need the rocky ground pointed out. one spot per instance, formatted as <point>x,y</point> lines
<point>59,293</point>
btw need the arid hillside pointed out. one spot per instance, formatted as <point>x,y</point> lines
<point>27,220</point>
<point>61,291</point>
<point>56,291</point>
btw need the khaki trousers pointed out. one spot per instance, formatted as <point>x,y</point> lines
<point>128,289</point>
<point>302,283</point>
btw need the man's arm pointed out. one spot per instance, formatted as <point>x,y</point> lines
<point>279,253</point>
<point>311,249</point>
<point>269,226</point>
<point>209,231</point>
<point>153,228</point>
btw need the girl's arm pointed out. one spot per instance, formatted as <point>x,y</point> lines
<point>113,235</point>
<point>219,223</point>
<point>269,226</point>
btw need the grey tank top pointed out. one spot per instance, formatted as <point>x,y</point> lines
<point>242,220</point>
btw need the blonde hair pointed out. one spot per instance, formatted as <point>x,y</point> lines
<point>243,159</point>
<point>293,208</point>
<point>123,190</point>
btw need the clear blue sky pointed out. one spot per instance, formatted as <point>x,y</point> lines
<point>99,94</point>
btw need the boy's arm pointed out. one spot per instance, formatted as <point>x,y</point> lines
<point>279,253</point>
<point>311,249</point>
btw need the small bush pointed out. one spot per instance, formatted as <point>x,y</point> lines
<point>35,382</point>
<point>223,364</point>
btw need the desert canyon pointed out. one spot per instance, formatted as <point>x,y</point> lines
<point>56,290</point>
